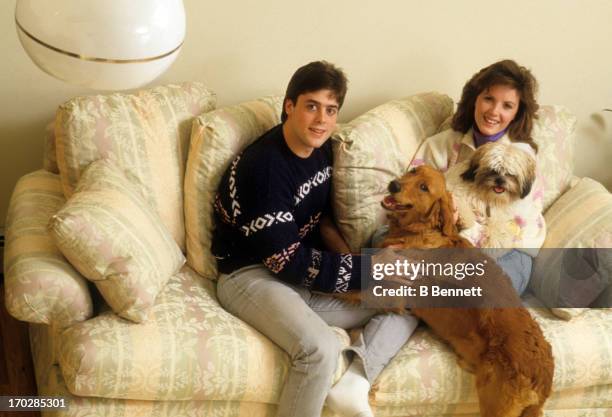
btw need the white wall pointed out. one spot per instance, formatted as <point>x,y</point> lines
<point>388,48</point>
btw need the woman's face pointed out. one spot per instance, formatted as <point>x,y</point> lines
<point>495,108</point>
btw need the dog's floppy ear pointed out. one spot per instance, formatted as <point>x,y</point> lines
<point>470,173</point>
<point>526,189</point>
<point>529,178</point>
<point>447,223</point>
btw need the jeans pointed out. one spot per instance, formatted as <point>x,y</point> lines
<point>298,322</point>
<point>517,265</point>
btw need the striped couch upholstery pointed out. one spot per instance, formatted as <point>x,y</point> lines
<point>146,134</point>
<point>192,358</point>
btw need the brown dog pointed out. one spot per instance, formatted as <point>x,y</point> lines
<point>503,347</point>
<point>420,212</point>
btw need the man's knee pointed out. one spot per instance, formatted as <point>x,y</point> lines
<point>321,349</point>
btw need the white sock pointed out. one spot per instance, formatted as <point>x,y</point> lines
<point>349,397</point>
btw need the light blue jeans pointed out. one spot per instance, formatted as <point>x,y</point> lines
<point>298,321</point>
<point>517,265</point>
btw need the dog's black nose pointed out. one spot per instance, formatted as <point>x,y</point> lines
<point>394,187</point>
<point>499,181</point>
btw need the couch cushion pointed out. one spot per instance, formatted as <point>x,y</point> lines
<point>581,218</point>
<point>145,133</point>
<point>41,286</point>
<point>554,132</point>
<point>190,348</point>
<point>217,137</point>
<point>372,150</point>
<point>222,358</point>
<point>425,371</point>
<point>111,235</point>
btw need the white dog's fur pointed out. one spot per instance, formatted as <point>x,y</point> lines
<point>491,191</point>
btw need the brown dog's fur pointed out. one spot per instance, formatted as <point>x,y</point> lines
<point>421,214</point>
<point>503,347</point>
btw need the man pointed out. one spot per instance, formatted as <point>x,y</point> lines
<point>273,216</point>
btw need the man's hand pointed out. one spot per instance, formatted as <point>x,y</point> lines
<point>384,286</point>
<point>331,236</point>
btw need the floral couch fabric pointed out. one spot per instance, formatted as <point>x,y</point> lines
<point>225,362</point>
<point>192,358</point>
<point>145,133</point>
<point>103,407</point>
<point>40,285</point>
<point>554,132</point>
<point>374,149</point>
<point>580,218</point>
<point>221,358</point>
<point>189,348</point>
<point>112,236</point>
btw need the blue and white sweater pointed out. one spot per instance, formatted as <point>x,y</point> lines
<point>267,210</point>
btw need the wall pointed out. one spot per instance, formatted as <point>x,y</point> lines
<point>389,49</point>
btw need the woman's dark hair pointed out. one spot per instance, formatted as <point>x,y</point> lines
<point>508,73</point>
<point>318,75</point>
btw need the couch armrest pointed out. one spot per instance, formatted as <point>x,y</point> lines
<point>574,266</point>
<point>41,286</point>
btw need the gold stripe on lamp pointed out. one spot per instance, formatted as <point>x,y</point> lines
<point>95,59</point>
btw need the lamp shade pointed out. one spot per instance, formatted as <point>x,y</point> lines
<point>102,44</point>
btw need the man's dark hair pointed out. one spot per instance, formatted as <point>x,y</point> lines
<point>318,75</point>
<point>508,73</point>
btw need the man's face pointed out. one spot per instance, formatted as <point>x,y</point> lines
<point>310,121</point>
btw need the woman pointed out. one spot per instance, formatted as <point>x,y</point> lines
<point>497,104</point>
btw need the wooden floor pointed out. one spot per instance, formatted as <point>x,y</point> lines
<point>16,371</point>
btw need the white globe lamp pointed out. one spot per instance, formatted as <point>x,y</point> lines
<point>102,44</point>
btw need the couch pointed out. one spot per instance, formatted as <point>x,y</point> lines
<point>122,336</point>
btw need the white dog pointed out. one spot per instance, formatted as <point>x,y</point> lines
<point>492,194</point>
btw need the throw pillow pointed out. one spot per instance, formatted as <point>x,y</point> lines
<point>553,131</point>
<point>579,227</point>
<point>217,137</point>
<point>373,149</point>
<point>114,238</point>
<point>146,133</point>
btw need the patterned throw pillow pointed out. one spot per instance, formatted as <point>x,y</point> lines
<point>372,150</point>
<point>553,131</point>
<point>145,133</point>
<point>580,218</point>
<point>111,235</point>
<point>217,137</point>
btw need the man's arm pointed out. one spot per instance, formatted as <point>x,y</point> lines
<point>331,236</point>
<point>271,234</point>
